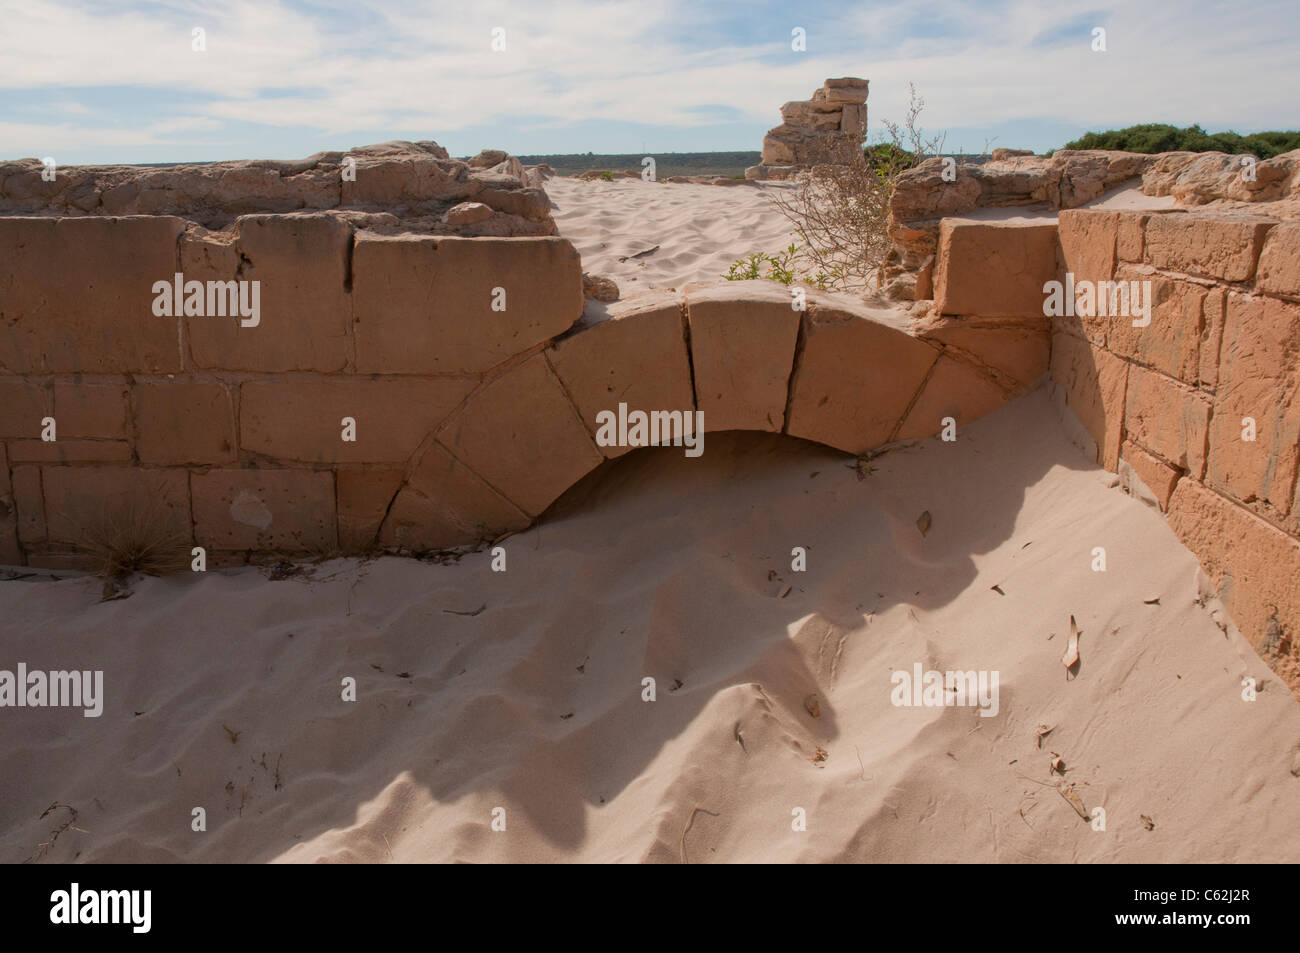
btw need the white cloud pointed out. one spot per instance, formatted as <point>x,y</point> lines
<point>53,137</point>
<point>371,65</point>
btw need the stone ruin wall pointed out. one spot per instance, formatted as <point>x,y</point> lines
<point>470,365</point>
<point>939,188</point>
<point>828,129</point>
<point>1167,405</point>
<point>392,186</point>
<point>471,420</point>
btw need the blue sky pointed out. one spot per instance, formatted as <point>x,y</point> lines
<point>120,81</point>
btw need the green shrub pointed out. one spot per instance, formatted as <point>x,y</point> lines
<point>1161,137</point>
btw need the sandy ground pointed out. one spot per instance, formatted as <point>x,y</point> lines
<point>223,691</point>
<point>700,229</point>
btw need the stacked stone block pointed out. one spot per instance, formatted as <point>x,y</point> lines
<point>828,129</point>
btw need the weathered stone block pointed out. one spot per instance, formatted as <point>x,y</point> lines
<point>1088,243</point>
<point>69,451</point>
<point>1253,565</point>
<point>78,297</point>
<point>954,390</point>
<point>532,204</point>
<point>1259,378</point>
<point>302,420</point>
<point>29,503</point>
<point>445,505</point>
<point>1171,343</point>
<point>61,556</point>
<point>10,553</point>
<point>424,304</point>
<point>91,408</point>
<point>1158,476</point>
<point>1015,357</point>
<point>1130,236</point>
<point>84,505</point>
<point>184,422</point>
<point>23,405</point>
<point>1279,261</point>
<point>637,356</point>
<point>1095,382</point>
<point>522,436</point>
<point>363,500</point>
<point>285,510</point>
<point>776,151</point>
<point>1213,314</point>
<point>1207,245</point>
<point>742,345</point>
<point>406,180</point>
<point>993,270</point>
<point>855,379</point>
<point>1168,418</point>
<point>301,262</point>
<point>853,121</point>
<point>846,89</point>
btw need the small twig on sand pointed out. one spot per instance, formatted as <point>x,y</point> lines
<point>691,821</point>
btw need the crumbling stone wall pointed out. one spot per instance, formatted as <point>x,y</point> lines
<point>469,377</point>
<point>828,129</point>
<point>407,185</point>
<point>941,187</point>
<point>1202,403</point>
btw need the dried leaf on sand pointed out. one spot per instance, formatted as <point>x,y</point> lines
<point>1071,657</point>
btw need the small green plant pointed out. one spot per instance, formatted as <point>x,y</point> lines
<point>781,267</point>
<point>747,269</point>
<point>607,176</point>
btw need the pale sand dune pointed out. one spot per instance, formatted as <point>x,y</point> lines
<point>664,566</point>
<point>700,229</point>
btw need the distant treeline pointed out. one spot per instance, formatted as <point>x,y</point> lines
<point>666,163</point>
<point>1159,137</point>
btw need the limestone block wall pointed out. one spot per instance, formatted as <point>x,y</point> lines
<point>228,431</point>
<point>388,389</point>
<point>402,391</point>
<point>1203,403</point>
<point>938,188</point>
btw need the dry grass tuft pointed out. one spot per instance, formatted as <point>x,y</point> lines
<point>136,536</point>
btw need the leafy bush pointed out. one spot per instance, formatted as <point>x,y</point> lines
<point>1160,137</point>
